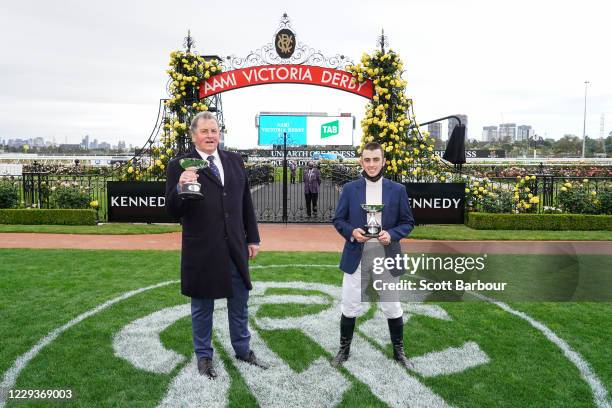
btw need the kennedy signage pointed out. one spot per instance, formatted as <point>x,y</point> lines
<point>437,203</point>
<point>294,74</point>
<point>136,201</point>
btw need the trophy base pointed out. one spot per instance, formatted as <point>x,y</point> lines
<point>190,195</point>
<point>191,191</point>
<point>371,232</point>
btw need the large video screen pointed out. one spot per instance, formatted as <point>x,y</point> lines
<point>305,130</point>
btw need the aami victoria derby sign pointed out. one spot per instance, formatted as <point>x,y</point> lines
<point>437,203</point>
<point>292,74</point>
<point>134,201</point>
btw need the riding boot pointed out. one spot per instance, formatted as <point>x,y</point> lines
<point>396,331</point>
<point>347,327</point>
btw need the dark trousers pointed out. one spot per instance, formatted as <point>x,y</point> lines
<point>238,317</point>
<point>293,177</point>
<point>311,199</point>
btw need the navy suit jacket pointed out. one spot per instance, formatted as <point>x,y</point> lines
<point>397,219</point>
<point>216,230</point>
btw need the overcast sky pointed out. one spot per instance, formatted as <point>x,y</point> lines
<point>71,68</point>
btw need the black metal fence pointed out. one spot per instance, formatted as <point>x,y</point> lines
<point>36,189</point>
<point>274,203</point>
<point>547,187</point>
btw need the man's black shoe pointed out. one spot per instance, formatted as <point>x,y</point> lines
<point>253,360</point>
<point>205,367</point>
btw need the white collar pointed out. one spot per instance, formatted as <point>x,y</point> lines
<point>205,155</point>
<point>379,181</point>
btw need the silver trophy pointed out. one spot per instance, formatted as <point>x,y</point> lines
<point>372,227</point>
<point>192,191</point>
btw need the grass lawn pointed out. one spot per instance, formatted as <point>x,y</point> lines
<point>464,233</point>
<point>437,232</point>
<point>101,229</point>
<point>43,289</point>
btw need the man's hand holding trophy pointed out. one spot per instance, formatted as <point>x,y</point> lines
<point>189,188</point>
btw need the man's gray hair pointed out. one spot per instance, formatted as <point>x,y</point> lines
<point>202,115</point>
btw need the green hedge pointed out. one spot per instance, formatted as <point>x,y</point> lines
<point>47,217</point>
<point>550,222</point>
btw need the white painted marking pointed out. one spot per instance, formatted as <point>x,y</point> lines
<point>194,390</point>
<point>448,361</point>
<point>600,394</point>
<point>451,360</point>
<point>320,385</point>
<point>296,299</point>
<point>386,379</point>
<point>293,266</point>
<point>377,328</point>
<point>10,376</point>
<point>428,310</point>
<point>139,341</point>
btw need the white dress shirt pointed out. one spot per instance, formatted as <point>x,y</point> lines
<point>374,195</point>
<point>217,162</point>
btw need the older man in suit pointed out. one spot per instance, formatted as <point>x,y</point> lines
<point>219,236</point>
<point>397,222</point>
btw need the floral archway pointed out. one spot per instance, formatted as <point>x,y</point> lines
<point>388,114</point>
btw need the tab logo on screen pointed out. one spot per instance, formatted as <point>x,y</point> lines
<point>330,129</point>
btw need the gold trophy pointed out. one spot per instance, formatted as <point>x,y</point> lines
<point>372,227</point>
<point>192,191</point>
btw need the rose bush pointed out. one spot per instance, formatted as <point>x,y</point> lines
<point>9,197</point>
<point>70,195</point>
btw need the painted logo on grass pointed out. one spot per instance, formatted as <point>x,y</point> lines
<point>136,341</point>
<point>320,384</point>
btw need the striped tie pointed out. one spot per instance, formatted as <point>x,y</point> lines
<point>213,167</point>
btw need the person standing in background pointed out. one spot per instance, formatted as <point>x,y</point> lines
<point>293,170</point>
<point>312,181</point>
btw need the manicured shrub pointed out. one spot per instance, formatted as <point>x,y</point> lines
<point>552,222</point>
<point>47,217</point>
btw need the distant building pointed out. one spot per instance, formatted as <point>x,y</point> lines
<point>85,142</point>
<point>489,134</point>
<point>435,130</point>
<point>17,142</point>
<point>524,132</point>
<point>68,147</point>
<point>452,122</point>
<point>507,132</point>
<point>37,142</point>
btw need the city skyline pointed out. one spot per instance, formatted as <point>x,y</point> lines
<point>99,69</point>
